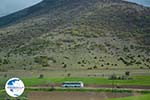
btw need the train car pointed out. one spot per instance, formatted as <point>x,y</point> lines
<point>73,84</point>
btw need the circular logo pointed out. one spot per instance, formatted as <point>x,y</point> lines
<point>14,87</point>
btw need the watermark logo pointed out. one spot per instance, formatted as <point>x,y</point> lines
<point>14,87</point>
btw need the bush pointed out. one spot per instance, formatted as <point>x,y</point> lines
<point>6,61</point>
<point>123,77</point>
<point>107,64</point>
<point>95,67</point>
<point>43,60</point>
<point>113,77</point>
<point>68,74</point>
<point>41,76</point>
<point>89,68</point>
<point>79,62</point>
<point>65,65</point>
<point>5,75</point>
<point>127,73</point>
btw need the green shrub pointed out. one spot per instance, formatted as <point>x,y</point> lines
<point>41,76</point>
<point>43,60</point>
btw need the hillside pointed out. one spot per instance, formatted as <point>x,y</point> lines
<point>88,34</point>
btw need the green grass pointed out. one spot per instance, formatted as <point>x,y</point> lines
<point>79,90</point>
<point>4,96</point>
<point>141,80</point>
<point>142,97</point>
<point>2,82</point>
<point>36,81</point>
<point>138,80</point>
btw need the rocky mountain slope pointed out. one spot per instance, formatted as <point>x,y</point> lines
<point>76,33</point>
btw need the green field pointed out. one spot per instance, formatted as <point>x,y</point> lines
<point>137,80</point>
<point>34,81</point>
<point>142,97</point>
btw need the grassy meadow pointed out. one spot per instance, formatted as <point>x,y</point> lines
<point>138,80</point>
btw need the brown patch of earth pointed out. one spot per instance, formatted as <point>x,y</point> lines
<point>63,95</point>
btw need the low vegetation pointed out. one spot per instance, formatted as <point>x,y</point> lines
<point>141,97</point>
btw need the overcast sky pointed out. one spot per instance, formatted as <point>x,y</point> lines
<point>143,2</point>
<point>10,6</point>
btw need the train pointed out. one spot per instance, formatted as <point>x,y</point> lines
<point>73,84</point>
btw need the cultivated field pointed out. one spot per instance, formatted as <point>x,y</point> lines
<point>96,79</point>
<point>74,95</point>
<point>142,97</point>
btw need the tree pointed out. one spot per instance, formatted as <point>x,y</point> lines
<point>127,73</point>
<point>113,77</point>
<point>5,61</point>
<point>5,75</point>
<point>41,76</point>
<point>65,65</point>
<point>68,74</point>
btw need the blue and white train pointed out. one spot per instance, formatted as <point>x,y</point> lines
<point>73,84</point>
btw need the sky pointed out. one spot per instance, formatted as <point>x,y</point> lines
<point>10,6</point>
<point>143,2</point>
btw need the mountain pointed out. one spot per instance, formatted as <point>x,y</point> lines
<point>76,33</point>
